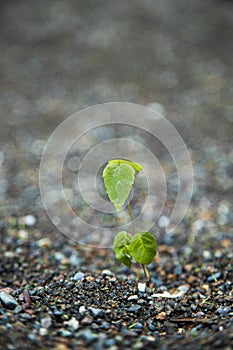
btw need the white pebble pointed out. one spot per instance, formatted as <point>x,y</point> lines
<point>9,254</point>
<point>206,254</point>
<point>72,324</point>
<point>133,297</point>
<point>28,220</point>
<point>43,332</point>
<point>82,309</point>
<point>163,221</point>
<point>107,273</point>
<point>142,287</point>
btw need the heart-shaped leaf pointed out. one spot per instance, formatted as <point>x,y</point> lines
<point>143,247</point>
<point>118,181</point>
<point>120,247</point>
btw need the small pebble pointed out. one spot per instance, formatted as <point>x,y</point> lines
<point>133,297</point>
<point>44,243</point>
<point>43,332</point>
<point>94,326</point>
<point>134,308</point>
<point>151,327</point>
<point>58,313</point>
<point>78,276</point>
<point>178,269</point>
<point>206,255</point>
<point>74,260</point>
<point>149,338</point>
<point>96,312</point>
<point>194,331</point>
<point>65,333</point>
<point>32,337</point>
<point>105,325</point>
<point>59,256</point>
<point>8,301</point>
<point>9,254</point>
<point>108,273</point>
<point>109,343</point>
<point>183,288</point>
<point>72,324</point>
<point>88,335</point>
<point>86,321</point>
<point>142,287</point>
<point>18,309</point>
<point>223,310</point>
<point>82,309</point>
<point>218,254</point>
<point>163,221</point>
<point>28,220</point>
<point>46,322</point>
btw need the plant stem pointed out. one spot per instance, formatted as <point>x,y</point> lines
<point>131,218</point>
<point>146,273</point>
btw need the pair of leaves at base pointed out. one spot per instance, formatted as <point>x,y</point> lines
<point>142,247</point>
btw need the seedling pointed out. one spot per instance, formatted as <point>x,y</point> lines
<point>119,176</point>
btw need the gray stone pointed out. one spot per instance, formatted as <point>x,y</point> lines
<point>8,301</point>
<point>18,309</point>
<point>88,335</point>
<point>46,322</point>
<point>194,331</point>
<point>96,312</point>
<point>134,308</point>
<point>223,310</point>
<point>65,333</point>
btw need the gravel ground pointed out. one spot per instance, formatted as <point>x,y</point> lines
<point>59,57</point>
<point>63,297</point>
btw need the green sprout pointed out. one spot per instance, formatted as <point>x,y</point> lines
<point>119,177</point>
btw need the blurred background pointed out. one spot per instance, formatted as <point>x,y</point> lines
<point>58,57</point>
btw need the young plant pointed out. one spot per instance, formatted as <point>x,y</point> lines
<point>119,176</point>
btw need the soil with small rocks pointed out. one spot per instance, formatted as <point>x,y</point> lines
<point>61,296</point>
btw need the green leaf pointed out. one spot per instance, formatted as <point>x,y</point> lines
<point>118,181</point>
<point>138,167</point>
<point>120,247</point>
<point>143,247</point>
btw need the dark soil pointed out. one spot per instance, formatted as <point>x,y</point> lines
<point>58,57</point>
<point>188,303</point>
